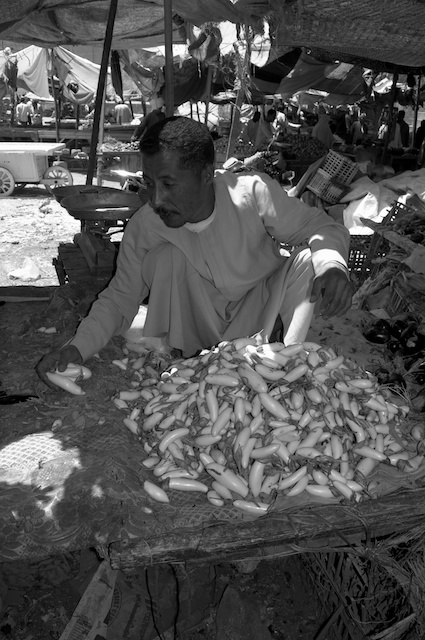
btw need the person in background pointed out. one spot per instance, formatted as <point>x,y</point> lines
<point>24,112</point>
<point>322,130</point>
<point>401,132</point>
<point>150,119</point>
<point>250,133</point>
<point>37,118</point>
<point>280,121</point>
<point>359,129</point>
<point>266,131</point>
<point>205,249</point>
<point>349,119</point>
<point>340,126</point>
<point>122,112</point>
<point>404,129</point>
<point>419,135</point>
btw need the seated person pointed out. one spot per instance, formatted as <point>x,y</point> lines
<point>206,250</point>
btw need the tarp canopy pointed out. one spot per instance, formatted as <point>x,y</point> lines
<point>32,65</point>
<point>77,76</point>
<point>341,78</point>
<point>363,32</point>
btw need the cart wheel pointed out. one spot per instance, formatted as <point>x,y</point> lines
<point>7,183</point>
<point>58,175</point>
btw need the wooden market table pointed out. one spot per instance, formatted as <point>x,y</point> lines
<point>71,475</point>
<point>68,134</point>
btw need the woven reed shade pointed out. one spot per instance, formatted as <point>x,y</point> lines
<point>390,31</point>
<point>366,32</point>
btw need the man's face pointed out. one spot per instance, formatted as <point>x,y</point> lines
<point>177,195</point>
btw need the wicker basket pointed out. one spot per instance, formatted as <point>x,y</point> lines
<point>404,298</point>
<point>339,167</point>
<point>360,598</point>
<point>327,187</point>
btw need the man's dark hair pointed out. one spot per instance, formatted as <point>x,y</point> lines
<point>190,139</point>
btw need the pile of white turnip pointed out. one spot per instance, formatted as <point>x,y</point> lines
<point>245,423</point>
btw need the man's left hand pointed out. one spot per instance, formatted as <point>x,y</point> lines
<point>335,291</point>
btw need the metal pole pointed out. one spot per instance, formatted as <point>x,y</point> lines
<point>101,90</point>
<point>169,72</point>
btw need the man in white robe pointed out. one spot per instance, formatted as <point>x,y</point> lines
<point>206,250</point>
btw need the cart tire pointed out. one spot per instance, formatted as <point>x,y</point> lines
<point>59,174</point>
<point>7,183</point>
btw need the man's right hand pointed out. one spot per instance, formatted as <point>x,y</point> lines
<point>57,360</point>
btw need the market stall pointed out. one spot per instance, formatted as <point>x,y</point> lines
<point>73,472</point>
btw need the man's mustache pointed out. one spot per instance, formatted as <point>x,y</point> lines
<point>160,211</point>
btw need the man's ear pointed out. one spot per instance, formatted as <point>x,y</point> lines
<point>208,174</point>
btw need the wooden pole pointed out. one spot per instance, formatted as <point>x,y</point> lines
<point>169,72</point>
<point>101,90</point>
<point>390,116</point>
<point>235,126</point>
<point>415,115</point>
<point>208,92</point>
<point>99,165</point>
<point>56,101</point>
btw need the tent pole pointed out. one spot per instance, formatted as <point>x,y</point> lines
<point>415,115</point>
<point>235,126</point>
<point>101,90</point>
<point>100,140</point>
<point>390,115</point>
<point>55,98</point>
<point>169,72</point>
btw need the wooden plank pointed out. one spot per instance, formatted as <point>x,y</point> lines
<point>98,252</point>
<point>297,530</point>
<point>22,293</point>
<point>67,134</point>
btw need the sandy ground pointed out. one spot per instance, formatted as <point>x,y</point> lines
<point>32,224</point>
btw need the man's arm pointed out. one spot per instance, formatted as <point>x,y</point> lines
<point>116,307</point>
<point>291,221</point>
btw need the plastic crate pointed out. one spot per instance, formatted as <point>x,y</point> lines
<point>339,167</point>
<point>365,254</point>
<point>398,210</point>
<point>358,257</point>
<point>327,187</point>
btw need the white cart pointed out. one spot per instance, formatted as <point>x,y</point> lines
<point>31,162</point>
